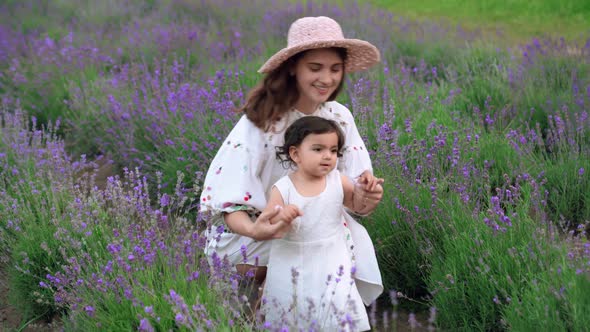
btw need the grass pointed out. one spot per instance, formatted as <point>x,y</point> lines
<point>517,19</point>
<point>501,264</point>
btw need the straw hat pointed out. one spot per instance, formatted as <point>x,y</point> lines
<point>319,32</point>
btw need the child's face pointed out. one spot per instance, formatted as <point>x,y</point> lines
<point>317,155</point>
<point>318,73</point>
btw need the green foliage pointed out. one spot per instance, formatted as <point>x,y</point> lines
<point>44,90</point>
<point>482,78</point>
<point>482,271</point>
<point>30,204</point>
<point>46,103</point>
<point>555,301</point>
<point>568,197</point>
<point>148,286</point>
<point>60,234</point>
<point>499,159</point>
<point>411,53</point>
<point>35,254</point>
<point>516,19</point>
<point>406,241</point>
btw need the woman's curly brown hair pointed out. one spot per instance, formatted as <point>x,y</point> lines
<point>278,93</point>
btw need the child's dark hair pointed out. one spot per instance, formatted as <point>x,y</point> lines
<point>300,129</point>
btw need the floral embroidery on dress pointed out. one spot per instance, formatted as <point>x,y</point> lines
<point>356,148</point>
<point>350,244</point>
<point>232,207</point>
<point>248,196</point>
<point>218,170</point>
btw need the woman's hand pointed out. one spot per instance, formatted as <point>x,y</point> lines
<point>273,223</point>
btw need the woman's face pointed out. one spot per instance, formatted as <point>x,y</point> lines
<point>318,73</point>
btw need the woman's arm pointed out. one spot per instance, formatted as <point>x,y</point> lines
<point>232,186</point>
<point>239,222</point>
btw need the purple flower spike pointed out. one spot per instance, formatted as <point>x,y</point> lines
<point>144,325</point>
<point>89,310</point>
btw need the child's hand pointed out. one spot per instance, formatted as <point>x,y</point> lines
<point>270,225</point>
<point>368,191</point>
<point>287,214</point>
<point>369,181</point>
<point>281,221</point>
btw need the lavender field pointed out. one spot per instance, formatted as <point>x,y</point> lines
<point>111,112</point>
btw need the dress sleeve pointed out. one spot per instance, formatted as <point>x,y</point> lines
<point>232,182</point>
<point>355,157</point>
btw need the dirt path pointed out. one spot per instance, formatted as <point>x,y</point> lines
<point>12,320</point>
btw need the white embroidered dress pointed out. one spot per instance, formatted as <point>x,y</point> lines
<point>310,269</point>
<point>245,168</point>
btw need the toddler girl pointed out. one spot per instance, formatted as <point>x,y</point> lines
<point>316,250</point>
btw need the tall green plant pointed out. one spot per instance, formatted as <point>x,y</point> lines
<point>554,301</point>
<point>489,261</point>
<point>36,186</point>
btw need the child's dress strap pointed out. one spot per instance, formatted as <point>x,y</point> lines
<point>283,185</point>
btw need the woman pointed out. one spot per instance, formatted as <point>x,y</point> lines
<point>300,80</point>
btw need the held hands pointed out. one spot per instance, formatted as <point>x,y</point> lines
<point>274,223</point>
<point>286,213</point>
<point>368,191</point>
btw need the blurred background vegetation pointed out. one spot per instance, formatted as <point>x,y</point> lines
<point>515,20</point>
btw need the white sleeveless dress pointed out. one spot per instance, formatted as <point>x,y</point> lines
<point>310,274</point>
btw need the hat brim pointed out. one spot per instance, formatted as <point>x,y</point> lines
<point>360,54</point>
